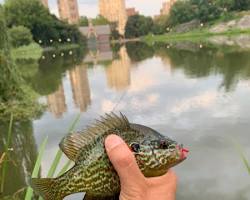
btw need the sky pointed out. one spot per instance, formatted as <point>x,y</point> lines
<point>90,7</point>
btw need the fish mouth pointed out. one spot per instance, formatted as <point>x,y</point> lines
<point>183,152</point>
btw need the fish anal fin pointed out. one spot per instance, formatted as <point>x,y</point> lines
<point>43,187</point>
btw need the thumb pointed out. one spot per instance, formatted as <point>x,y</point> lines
<point>122,159</point>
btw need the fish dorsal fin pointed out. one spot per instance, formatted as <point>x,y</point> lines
<point>73,143</point>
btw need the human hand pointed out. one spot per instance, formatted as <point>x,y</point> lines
<point>134,186</point>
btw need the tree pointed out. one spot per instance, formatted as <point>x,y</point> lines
<point>43,25</point>
<point>84,21</point>
<point>181,12</point>
<point>160,24</point>
<point>138,25</point>
<point>100,20</point>
<point>19,36</point>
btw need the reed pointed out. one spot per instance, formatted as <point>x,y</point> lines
<point>240,151</point>
<point>6,154</point>
<point>55,163</point>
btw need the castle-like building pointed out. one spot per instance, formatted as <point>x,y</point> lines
<point>68,11</point>
<point>114,11</point>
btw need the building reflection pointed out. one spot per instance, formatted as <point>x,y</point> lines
<point>80,87</point>
<point>167,63</point>
<point>56,102</point>
<point>98,53</point>
<point>118,72</point>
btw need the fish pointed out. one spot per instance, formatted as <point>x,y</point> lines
<point>93,172</point>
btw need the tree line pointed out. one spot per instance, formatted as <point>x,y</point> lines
<point>184,11</point>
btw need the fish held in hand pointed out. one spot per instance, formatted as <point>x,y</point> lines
<point>93,173</point>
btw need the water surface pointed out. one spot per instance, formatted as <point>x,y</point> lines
<point>197,94</point>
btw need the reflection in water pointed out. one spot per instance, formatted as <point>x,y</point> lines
<point>21,157</point>
<point>199,96</point>
<point>99,53</point>
<point>56,102</point>
<point>80,87</point>
<point>118,73</point>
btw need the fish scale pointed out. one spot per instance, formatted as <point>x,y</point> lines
<point>93,172</point>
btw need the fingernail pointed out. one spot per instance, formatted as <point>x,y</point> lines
<point>112,141</point>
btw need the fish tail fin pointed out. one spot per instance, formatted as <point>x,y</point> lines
<point>44,187</point>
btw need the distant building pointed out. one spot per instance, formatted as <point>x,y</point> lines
<point>166,7</point>
<point>101,33</point>
<point>131,12</point>
<point>45,3</point>
<point>114,11</point>
<point>68,11</point>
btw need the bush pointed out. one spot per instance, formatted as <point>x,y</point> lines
<point>241,5</point>
<point>20,36</point>
<point>138,25</point>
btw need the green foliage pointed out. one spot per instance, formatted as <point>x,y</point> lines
<point>204,10</point>
<point>83,21</point>
<point>241,5</point>
<point>115,35</point>
<point>15,96</point>
<point>138,25</point>
<point>100,20</point>
<point>139,51</point>
<point>160,24</point>
<point>20,36</point>
<point>181,12</point>
<point>31,51</point>
<point>43,25</point>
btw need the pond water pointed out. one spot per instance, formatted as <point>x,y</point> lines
<point>197,94</point>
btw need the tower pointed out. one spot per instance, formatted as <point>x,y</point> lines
<point>114,11</point>
<point>68,11</point>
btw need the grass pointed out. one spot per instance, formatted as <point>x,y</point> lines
<point>32,51</point>
<point>193,35</point>
<point>55,163</point>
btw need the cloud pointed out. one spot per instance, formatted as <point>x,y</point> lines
<point>146,7</point>
<point>205,100</point>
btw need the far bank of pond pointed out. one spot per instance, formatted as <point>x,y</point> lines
<point>191,36</point>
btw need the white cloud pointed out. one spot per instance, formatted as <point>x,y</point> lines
<point>204,100</point>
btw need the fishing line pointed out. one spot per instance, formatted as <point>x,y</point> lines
<point>119,101</point>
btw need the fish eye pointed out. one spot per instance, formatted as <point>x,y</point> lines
<point>164,144</point>
<point>135,147</point>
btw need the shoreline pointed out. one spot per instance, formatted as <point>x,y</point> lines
<point>191,36</point>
